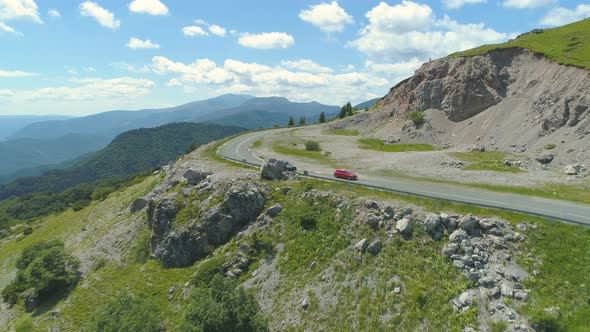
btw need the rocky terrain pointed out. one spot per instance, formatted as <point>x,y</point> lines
<point>510,99</point>
<point>482,249</point>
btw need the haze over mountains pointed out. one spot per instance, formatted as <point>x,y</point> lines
<point>37,145</point>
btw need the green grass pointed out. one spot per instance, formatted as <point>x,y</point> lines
<point>485,161</point>
<point>344,132</point>
<point>575,193</point>
<point>296,151</point>
<point>568,45</point>
<point>257,143</point>
<point>379,145</point>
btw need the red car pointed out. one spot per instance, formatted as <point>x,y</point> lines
<point>344,174</point>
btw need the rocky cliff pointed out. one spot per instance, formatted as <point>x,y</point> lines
<point>501,99</point>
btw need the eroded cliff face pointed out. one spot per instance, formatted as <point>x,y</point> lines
<point>463,87</point>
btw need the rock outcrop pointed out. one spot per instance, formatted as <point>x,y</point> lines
<point>277,170</point>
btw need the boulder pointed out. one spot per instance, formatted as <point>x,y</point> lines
<point>469,224</point>
<point>218,225</point>
<point>433,226</point>
<point>458,236</point>
<point>373,221</point>
<point>277,170</point>
<point>194,177</point>
<point>361,245</point>
<point>572,169</point>
<point>182,248</point>
<point>274,210</point>
<point>405,226</point>
<point>545,158</point>
<point>244,203</point>
<point>375,247</point>
<point>450,249</point>
<point>161,214</point>
<point>139,204</point>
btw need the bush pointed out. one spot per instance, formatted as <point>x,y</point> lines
<point>550,146</point>
<point>417,118</point>
<point>308,221</point>
<point>126,313</point>
<point>223,306</point>
<point>44,269</point>
<point>312,146</point>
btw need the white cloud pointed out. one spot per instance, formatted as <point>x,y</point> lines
<point>9,29</point>
<point>217,30</point>
<point>329,17</point>
<point>454,4</point>
<point>521,4</point>
<point>411,30</point>
<point>193,31</point>
<point>6,93</point>
<point>267,40</point>
<point>15,73</point>
<point>136,43</point>
<point>201,22</point>
<point>306,65</point>
<point>102,15</point>
<point>235,76</point>
<point>53,12</point>
<point>93,89</point>
<point>19,9</point>
<point>400,69</point>
<point>561,16</point>
<point>151,7</point>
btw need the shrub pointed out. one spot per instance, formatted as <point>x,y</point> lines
<point>44,269</point>
<point>223,306</point>
<point>550,146</point>
<point>417,118</point>
<point>126,313</point>
<point>312,146</point>
<point>308,221</point>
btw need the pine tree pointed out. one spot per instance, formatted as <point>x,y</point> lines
<point>342,112</point>
<point>291,122</point>
<point>302,121</point>
<point>322,117</point>
<point>348,107</point>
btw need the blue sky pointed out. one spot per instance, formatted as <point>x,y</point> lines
<point>82,57</point>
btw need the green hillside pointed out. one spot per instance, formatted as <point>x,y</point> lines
<point>131,152</point>
<point>568,45</point>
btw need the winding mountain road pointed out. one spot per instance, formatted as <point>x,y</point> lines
<point>239,149</point>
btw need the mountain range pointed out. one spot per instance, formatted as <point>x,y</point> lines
<point>37,145</point>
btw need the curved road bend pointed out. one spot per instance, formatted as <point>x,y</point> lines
<point>240,149</point>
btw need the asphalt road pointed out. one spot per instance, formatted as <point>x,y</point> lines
<point>239,149</point>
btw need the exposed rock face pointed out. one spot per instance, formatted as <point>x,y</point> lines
<point>277,170</point>
<point>179,246</point>
<point>194,177</point>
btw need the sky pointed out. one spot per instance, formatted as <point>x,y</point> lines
<point>83,57</point>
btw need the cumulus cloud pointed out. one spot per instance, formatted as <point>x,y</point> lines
<point>93,89</point>
<point>217,30</point>
<point>4,93</point>
<point>267,40</point>
<point>411,30</point>
<point>193,31</point>
<point>15,73</point>
<point>306,65</point>
<point>290,79</point>
<point>100,14</point>
<point>151,7</point>
<point>454,4</point>
<point>521,4</point>
<point>561,16</point>
<point>54,12</point>
<point>136,43</point>
<point>19,9</point>
<point>400,69</point>
<point>329,17</point>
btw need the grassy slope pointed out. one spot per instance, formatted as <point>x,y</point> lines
<point>343,132</point>
<point>568,45</point>
<point>486,161</point>
<point>363,288</point>
<point>379,145</point>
